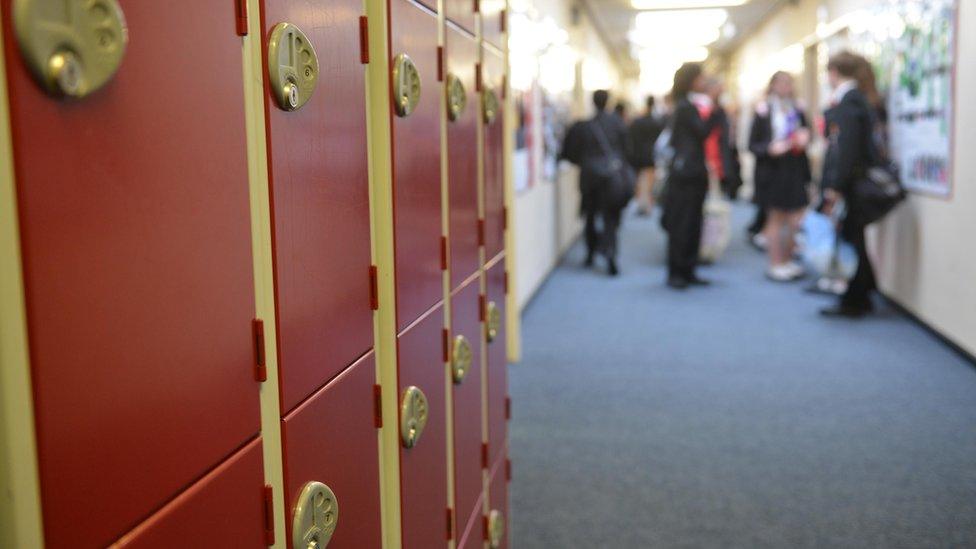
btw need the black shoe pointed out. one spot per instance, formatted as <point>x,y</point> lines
<point>677,282</point>
<point>843,311</point>
<point>589,260</point>
<point>696,281</point>
<point>612,269</point>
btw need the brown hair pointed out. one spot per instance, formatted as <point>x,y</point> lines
<point>851,65</point>
<point>776,76</point>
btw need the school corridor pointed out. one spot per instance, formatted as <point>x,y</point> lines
<point>732,415</point>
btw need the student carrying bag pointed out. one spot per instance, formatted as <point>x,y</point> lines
<point>616,178</point>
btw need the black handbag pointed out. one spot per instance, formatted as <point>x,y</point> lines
<point>878,192</point>
<point>616,177</point>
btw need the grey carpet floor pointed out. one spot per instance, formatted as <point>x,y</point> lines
<point>732,416</point>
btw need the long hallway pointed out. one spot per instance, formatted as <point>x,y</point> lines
<point>732,416</point>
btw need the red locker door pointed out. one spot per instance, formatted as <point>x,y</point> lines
<point>331,438</point>
<point>493,16</point>
<point>136,242</point>
<point>493,75</point>
<point>320,198</point>
<point>465,323</point>
<point>423,466</point>
<point>461,13</point>
<point>497,361</point>
<point>226,507</point>
<point>416,165</point>
<point>497,520</point>
<point>462,156</point>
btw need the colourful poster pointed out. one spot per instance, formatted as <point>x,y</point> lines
<point>912,44</point>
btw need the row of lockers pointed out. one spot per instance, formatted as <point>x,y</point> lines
<point>199,245</point>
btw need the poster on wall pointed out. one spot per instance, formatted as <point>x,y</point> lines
<point>912,45</point>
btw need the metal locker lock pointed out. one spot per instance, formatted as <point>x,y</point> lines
<point>72,47</point>
<point>496,528</point>
<point>293,66</point>
<point>489,105</point>
<point>413,415</point>
<point>457,97</point>
<point>461,357</point>
<point>406,85</point>
<point>494,321</point>
<point>315,517</point>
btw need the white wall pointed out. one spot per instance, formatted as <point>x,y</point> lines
<point>546,221</point>
<point>923,252</point>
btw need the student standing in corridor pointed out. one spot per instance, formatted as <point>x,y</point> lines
<point>851,150</point>
<point>642,135</point>
<point>687,177</point>
<point>778,139</point>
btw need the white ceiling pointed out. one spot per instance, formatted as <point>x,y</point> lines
<point>615,17</point>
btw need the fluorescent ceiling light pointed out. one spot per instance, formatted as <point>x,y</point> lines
<point>684,4</point>
<point>669,22</point>
<point>664,37</point>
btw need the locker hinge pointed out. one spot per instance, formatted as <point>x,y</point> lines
<point>446,344</point>
<point>374,289</point>
<point>269,529</point>
<point>484,455</point>
<point>482,307</point>
<point>260,365</point>
<point>508,408</point>
<point>508,470</point>
<point>443,253</point>
<point>506,282</point>
<point>440,63</point>
<point>477,6</point>
<point>477,77</point>
<point>363,39</point>
<point>503,23</point>
<point>240,9</point>
<point>504,218</point>
<point>378,406</point>
<point>450,523</point>
<point>504,85</point>
<point>481,232</point>
<point>484,527</point>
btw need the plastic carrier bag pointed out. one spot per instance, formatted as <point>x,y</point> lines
<point>716,228</point>
<point>823,252</point>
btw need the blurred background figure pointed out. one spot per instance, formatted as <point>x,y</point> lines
<point>851,150</point>
<point>620,110</point>
<point>599,147</point>
<point>779,138</point>
<point>641,137</point>
<point>688,176</point>
<point>732,166</point>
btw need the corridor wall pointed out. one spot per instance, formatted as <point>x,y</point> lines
<point>545,217</point>
<point>268,311</point>
<point>921,251</point>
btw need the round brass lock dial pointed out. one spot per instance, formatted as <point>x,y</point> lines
<point>315,517</point>
<point>413,415</point>
<point>74,47</point>
<point>293,66</point>
<point>494,321</point>
<point>461,357</point>
<point>457,97</point>
<point>490,105</point>
<point>496,528</point>
<point>406,85</point>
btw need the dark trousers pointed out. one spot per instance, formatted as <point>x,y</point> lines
<point>858,295</point>
<point>683,208</point>
<point>601,231</point>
